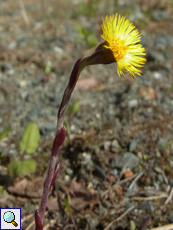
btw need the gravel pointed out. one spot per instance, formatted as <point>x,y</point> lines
<point>120,122</point>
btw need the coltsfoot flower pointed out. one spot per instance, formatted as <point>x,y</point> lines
<point>122,39</point>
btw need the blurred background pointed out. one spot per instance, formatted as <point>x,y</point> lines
<point>118,153</point>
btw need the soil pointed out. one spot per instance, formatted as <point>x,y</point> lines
<point>117,159</point>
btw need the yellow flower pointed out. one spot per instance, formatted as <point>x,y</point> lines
<point>122,39</point>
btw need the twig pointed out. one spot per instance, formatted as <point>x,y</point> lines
<point>26,218</point>
<point>67,226</point>
<point>165,227</point>
<point>169,197</point>
<point>42,7</point>
<point>151,197</point>
<point>164,177</point>
<point>119,183</point>
<point>24,14</point>
<point>135,180</point>
<point>30,225</point>
<point>49,224</point>
<point>31,58</point>
<point>120,217</point>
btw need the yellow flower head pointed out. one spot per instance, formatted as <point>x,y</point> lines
<point>122,38</point>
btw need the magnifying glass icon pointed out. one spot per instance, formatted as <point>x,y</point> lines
<point>9,217</point>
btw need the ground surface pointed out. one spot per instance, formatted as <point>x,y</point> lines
<point>117,160</point>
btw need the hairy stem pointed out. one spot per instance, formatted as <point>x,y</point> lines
<point>101,56</point>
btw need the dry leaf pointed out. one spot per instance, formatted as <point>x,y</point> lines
<point>78,188</point>
<point>145,223</point>
<point>52,204</point>
<point>79,203</point>
<point>26,188</point>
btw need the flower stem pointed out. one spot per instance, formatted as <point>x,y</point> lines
<point>58,141</point>
<point>101,56</point>
<point>47,187</point>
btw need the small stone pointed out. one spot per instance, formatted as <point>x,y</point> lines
<point>114,172</point>
<point>100,212</point>
<point>112,212</point>
<point>57,49</point>
<point>106,203</point>
<point>133,103</point>
<point>69,171</point>
<point>145,206</point>
<point>107,145</point>
<point>131,191</point>
<point>157,75</point>
<point>128,174</point>
<point>86,157</point>
<point>98,116</point>
<point>11,72</point>
<point>160,178</point>
<point>67,178</point>
<point>159,15</point>
<point>133,144</point>
<point>170,218</point>
<point>22,83</point>
<point>162,143</point>
<point>126,159</point>
<point>99,172</point>
<point>72,127</point>
<point>24,94</point>
<point>12,45</point>
<point>115,146</point>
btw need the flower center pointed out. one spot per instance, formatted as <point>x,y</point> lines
<point>118,48</point>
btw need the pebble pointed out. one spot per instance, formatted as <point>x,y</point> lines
<point>67,178</point>
<point>98,171</point>
<point>160,15</point>
<point>106,203</point>
<point>24,94</point>
<point>69,171</point>
<point>114,172</point>
<point>101,212</point>
<point>125,159</point>
<point>160,178</point>
<point>107,145</point>
<point>162,142</point>
<point>115,147</point>
<point>133,103</point>
<point>115,104</point>
<point>131,191</point>
<point>145,206</point>
<point>57,49</point>
<point>157,75</point>
<point>23,83</point>
<point>12,45</point>
<point>133,144</point>
<point>170,218</point>
<point>86,157</point>
<point>112,212</point>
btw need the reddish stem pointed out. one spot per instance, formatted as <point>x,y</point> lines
<point>101,56</point>
<point>53,170</point>
<point>38,221</point>
<point>58,141</point>
<point>55,173</point>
